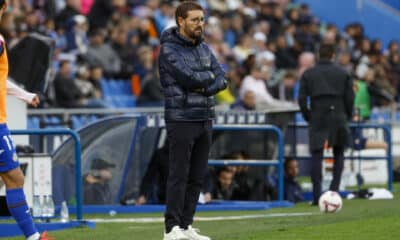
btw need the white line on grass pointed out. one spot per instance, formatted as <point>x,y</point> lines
<point>205,219</point>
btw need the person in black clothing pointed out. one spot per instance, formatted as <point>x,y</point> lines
<point>151,93</point>
<point>102,11</point>
<point>293,191</point>
<point>155,177</point>
<point>190,76</point>
<point>153,186</point>
<point>96,188</point>
<point>67,92</point>
<point>224,186</point>
<point>326,100</point>
<point>71,9</point>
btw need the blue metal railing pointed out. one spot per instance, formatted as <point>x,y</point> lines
<point>77,142</point>
<point>278,162</point>
<point>388,139</point>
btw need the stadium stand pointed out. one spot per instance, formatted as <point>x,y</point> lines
<point>275,34</point>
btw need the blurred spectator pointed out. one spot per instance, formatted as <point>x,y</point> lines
<point>393,48</point>
<point>67,93</point>
<point>154,182</point>
<point>260,40</point>
<point>71,9</point>
<point>164,16</point>
<point>224,185</point>
<point>96,188</point>
<point>233,75</point>
<point>101,54</point>
<point>151,93</point>
<point>102,11</point>
<point>284,90</point>
<point>119,43</point>
<point>88,81</point>
<point>284,57</point>
<point>293,191</point>
<point>376,47</point>
<point>244,48</point>
<point>76,35</point>
<point>362,99</point>
<point>145,65</point>
<point>306,36</point>
<point>306,61</point>
<point>344,60</point>
<point>7,26</point>
<point>247,102</point>
<point>256,83</point>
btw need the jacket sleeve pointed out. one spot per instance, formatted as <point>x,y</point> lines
<point>219,81</point>
<point>184,75</point>
<point>349,97</point>
<point>303,98</point>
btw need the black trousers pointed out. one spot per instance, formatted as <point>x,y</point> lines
<point>188,155</point>
<point>316,171</point>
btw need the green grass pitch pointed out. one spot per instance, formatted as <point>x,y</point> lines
<point>358,219</point>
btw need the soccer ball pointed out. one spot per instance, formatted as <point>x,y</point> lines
<point>330,202</point>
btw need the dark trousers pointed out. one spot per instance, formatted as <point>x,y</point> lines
<point>188,155</point>
<point>316,171</point>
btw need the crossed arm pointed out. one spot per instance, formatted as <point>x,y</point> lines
<point>208,82</point>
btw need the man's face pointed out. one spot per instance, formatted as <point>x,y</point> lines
<point>225,179</point>
<point>105,174</point>
<point>293,169</point>
<point>193,25</point>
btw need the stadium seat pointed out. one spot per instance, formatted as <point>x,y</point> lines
<point>299,118</point>
<point>33,123</point>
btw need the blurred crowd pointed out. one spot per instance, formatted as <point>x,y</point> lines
<point>263,45</point>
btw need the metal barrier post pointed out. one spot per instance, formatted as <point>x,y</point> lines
<point>388,137</point>
<point>264,128</point>
<point>77,141</point>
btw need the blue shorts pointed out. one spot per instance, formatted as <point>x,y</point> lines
<point>8,155</point>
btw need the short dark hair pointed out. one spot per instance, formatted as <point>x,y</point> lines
<point>183,9</point>
<point>2,2</point>
<point>326,51</point>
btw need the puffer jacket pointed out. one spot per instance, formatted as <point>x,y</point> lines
<point>190,76</point>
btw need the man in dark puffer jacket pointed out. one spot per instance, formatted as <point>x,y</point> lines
<point>190,76</point>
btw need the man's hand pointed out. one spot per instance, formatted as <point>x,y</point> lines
<point>207,197</point>
<point>35,101</point>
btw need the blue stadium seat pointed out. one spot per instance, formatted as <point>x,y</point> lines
<point>33,123</point>
<point>299,118</point>
<point>76,122</point>
<point>380,116</point>
<point>125,101</point>
<point>113,87</point>
<point>104,87</point>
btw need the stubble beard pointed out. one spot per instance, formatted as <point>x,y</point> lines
<point>195,34</point>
